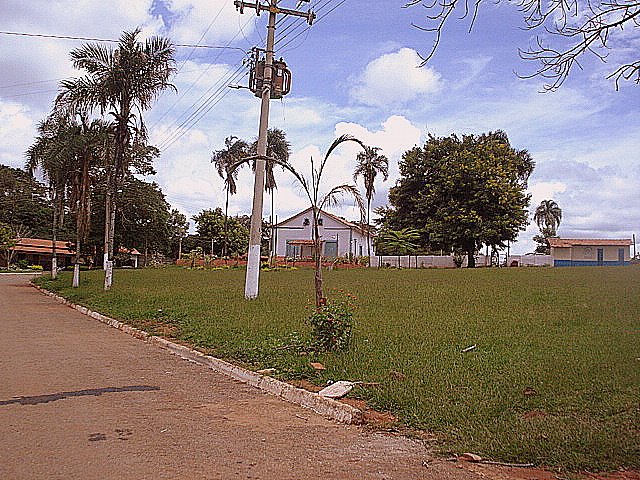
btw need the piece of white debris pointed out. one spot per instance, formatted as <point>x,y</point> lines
<point>468,349</point>
<point>337,390</point>
<point>266,371</point>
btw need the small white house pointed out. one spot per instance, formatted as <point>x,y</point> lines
<point>338,237</point>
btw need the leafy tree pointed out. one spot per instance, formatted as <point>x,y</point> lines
<point>123,82</point>
<point>547,216</point>
<point>24,202</point>
<point>461,193</point>
<point>7,241</point>
<point>368,164</point>
<point>178,228</point>
<point>210,226</point>
<point>579,27</point>
<point>143,219</point>
<point>225,161</point>
<point>399,242</point>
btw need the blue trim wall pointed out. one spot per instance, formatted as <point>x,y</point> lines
<point>586,263</point>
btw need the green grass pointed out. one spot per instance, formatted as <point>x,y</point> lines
<point>572,335</point>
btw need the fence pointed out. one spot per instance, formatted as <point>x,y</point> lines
<point>446,261</point>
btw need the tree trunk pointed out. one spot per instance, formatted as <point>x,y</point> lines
<point>368,229</point>
<point>180,247</point>
<point>317,280</point>
<point>109,234</point>
<point>54,235</point>
<point>471,259</point>
<point>76,266</point>
<point>226,209</point>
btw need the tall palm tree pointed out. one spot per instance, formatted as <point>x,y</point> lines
<point>548,216</point>
<point>92,141</point>
<point>123,82</point>
<point>225,161</point>
<point>51,154</point>
<point>368,164</point>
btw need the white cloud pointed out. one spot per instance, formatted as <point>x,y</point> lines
<point>207,21</point>
<point>395,79</point>
<point>17,125</point>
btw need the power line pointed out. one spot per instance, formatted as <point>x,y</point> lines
<point>182,95</point>
<point>195,116</point>
<point>109,40</point>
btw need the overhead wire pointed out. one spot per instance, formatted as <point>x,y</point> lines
<point>202,73</point>
<point>222,92</point>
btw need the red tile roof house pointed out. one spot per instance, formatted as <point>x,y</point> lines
<point>38,251</point>
<point>589,252</point>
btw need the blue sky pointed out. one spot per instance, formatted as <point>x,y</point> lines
<point>354,71</point>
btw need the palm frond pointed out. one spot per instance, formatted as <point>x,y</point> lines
<point>336,195</point>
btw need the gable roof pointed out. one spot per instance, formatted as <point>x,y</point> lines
<point>590,242</point>
<point>362,229</point>
<point>43,246</point>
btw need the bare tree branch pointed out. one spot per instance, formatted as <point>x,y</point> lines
<point>580,27</point>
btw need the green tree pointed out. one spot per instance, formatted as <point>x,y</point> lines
<point>547,216</point>
<point>178,229</point>
<point>225,161</point>
<point>7,241</point>
<point>580,28</point>
<point>368,164</point>
<point>210,227</point>
<point>399,242</point>
<point>464,192</point>
<point>24,203</point>
<point>143,219</point>
<point>123,82</point>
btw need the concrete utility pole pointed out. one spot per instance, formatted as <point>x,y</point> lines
<point>255,234</point>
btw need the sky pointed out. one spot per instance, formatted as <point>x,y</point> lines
<point>355,71</point>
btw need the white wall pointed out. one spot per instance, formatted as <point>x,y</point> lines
<point>349,239</point>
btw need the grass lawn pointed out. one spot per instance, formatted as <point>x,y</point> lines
<point>554,378</point>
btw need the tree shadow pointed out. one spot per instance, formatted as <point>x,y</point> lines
<point>53,397</point>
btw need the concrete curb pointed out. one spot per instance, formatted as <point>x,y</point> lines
<point>326,407</point>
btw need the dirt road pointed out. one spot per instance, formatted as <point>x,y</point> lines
<point>79,399</point>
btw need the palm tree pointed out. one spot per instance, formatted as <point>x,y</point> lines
<point>319,201</point>
<point>278,151</point>
<point>92,141</point>
<point>122,82</point>
<point>369,164</point>
<point>548,216</point>
<point>402,242</point>
<point>50,153</point>
<point>226,162</point>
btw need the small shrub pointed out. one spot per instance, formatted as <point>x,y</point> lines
<point>332,325</point>
<point>37,268</point>
<point>22,264</point>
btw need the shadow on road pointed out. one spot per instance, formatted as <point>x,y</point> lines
<point>52,397</point>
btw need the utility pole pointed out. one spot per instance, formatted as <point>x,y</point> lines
<point>255,233</point>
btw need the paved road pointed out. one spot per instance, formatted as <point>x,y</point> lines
<point>79,399</point>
